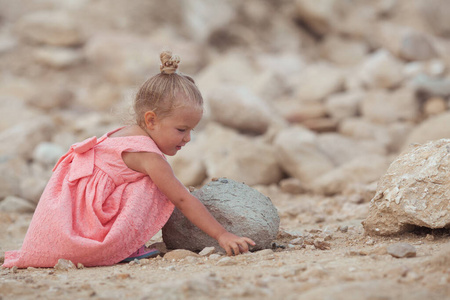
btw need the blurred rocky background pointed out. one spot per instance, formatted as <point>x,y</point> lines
<point>310,97</point>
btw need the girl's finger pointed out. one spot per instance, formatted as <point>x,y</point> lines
<point>243,246</point>
<point>249,241</point>
<point>236,249</point>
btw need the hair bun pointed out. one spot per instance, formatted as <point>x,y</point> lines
<point>169,62</point>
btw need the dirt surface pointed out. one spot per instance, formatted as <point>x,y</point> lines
<point>321,253</point>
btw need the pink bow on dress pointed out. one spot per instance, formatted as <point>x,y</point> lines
<point>81,155</point>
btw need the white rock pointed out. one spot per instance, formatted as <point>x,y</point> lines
<point>343,51</point>
<point>188,165</point>
<point>434,106</point>
<point>14,204</point>
<point>226,261</point>
<point>64,265</point>
<point>231,68</point>
<point>386,107</point>
<point>102,97</point>
<point>58,58</point>
<point>14,110</point>
<point>201,18</point>
<point>341,149</point>
<point>344,105</point>
<point>363,169</point>
<point>207,251</point>
<point>413,192</point>
<point>381,70</point>
<point>13,169</point>
<point>237,107</point>
<point>48,153</point>
<point>392,136</point>
<point>435,14</point>
<point>433,128</point>
<point>318,81</point>
<point>319,15</point>
<point>297,153</point>
<point>416,46</point>
<point>31,188</point>
<point>56,28</point>
<point>55,98</point>
<point>245,159</point>
<point>22,138</point>
<point>132,60</point>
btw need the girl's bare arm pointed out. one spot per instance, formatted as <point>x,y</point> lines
<point>162,175</point>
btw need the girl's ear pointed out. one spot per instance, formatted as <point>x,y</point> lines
<point>150,119</point>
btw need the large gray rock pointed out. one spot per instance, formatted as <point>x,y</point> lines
<point>415,191</point>
<point>241,209</point>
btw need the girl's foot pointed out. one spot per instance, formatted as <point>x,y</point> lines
<point>142,252</point>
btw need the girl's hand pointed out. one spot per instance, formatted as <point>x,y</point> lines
<point>233,244</point>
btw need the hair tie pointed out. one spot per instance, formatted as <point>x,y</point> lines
<point>169,62</point>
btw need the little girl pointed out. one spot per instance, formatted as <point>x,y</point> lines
<point>107,197</point>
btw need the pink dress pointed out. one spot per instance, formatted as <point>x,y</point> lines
<point>94,210</point>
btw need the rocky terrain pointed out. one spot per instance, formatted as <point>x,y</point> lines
<point>309,102</point>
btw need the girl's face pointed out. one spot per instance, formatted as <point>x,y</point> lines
<point>171,133</point>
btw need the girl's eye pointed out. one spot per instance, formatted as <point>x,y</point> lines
<point>181,130</point>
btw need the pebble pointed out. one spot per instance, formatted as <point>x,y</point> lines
<point>179,254</point>
<point>226,261</point>
<point>429,237</point>
<point>265,252</point>
<point>343,229</point>
<point>215,256</point>
<point>291,271</point>
<point>401,250</point>
<point>64,265</point>
<point>207,251</point>
<point>123,276</point>
<point>80,266</point>
<point>297,241</point>
<point>322,244</point>
<point>14,269</point>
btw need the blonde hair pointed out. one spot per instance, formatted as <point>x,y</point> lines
<point>161,93</point>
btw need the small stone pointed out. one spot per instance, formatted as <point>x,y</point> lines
<point>14,269</point>
<point>226,261</point>
<point>343,229</point>
<point>322,244</point>
<point>179,254</point>
<point>265,252</point>
<point>297,241</point>
<point>64,265</point>
<point>401,250</point>
<point>429,237</point>
<point>192,259</point>
<point>207,251</point>
<point>214,256</point>
<point>123,276</point>
<point>291,271</point>
<point>292,186</point>
<point>80,266</point>
<point>31,269</point>
<point>15,204</point>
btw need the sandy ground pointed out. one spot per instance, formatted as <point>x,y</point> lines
<point>321,253</point>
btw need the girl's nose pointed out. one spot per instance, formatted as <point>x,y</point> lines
<point>187,137</point>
